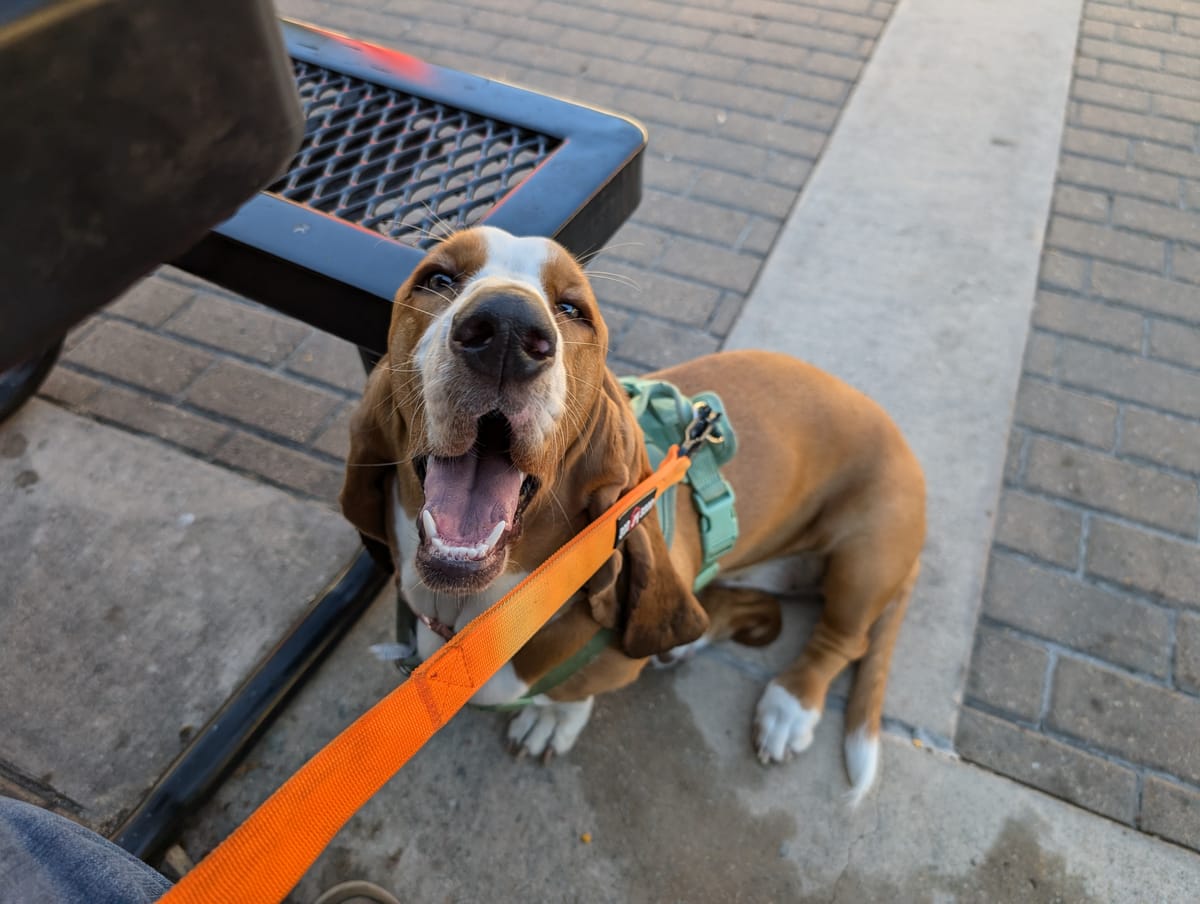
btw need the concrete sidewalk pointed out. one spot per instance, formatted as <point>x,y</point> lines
<point>908,265</point>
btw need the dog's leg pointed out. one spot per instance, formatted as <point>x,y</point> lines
<point>745,615</point>
<point>547,728</point>
<point>864,709</point>
<point>863,576</point>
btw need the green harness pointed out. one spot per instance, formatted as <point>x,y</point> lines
<point>663,413</point>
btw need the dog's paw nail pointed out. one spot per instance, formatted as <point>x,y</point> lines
<point>548,756</point>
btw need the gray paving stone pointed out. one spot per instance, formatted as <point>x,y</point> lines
<point>1089,238</point>
<point>1172,811</point>
<point>1038,527</point>
<point>1117,178</point>
<point>1012,460</point>
<point>1111,95</point>
<point>1135,125</point>
<point>141,585</point>
<point>1095,479</point>
<point>146,415</point>
<point>68,387</point>
<point>1187,653</point>
<point>1063,271</point>
<point>1131,377</point>
<point>1007,673</point>
<point>1169,160</point>
<point>1146,291</point>
<point>710,264</point>
<point>1048,765</point>
<point>1088,320</point>
<point>1150,81</point>
<point>282,466</point>
<point>329,360</point>
<point>761,236</point>
<point>1136,720</point>
<point>655,343</point>
<point>151,302</point>
<point>743,192</point>
<point>698,219</point>
<point>252,332</point>
<point>1177,108</point>
<point>1145,562</point>
<point>1041,355</point>
<point>133,355</point>
<point>719,153</point>
<point>1072,415</point>
<point>1161,40</point>
<point>1064,609</point>
<point>1113,148</point>
<point>1186,265</point>
<point>1157,219</point>
<point>662,295</point>
<point>335,439</point>
<point>839,67</point>
<point>787,139</point>
<point>263,400</point>
<point>1137,18</point>
<point>1156,437</point>
<point>1081,202</point>
<point>1175,342</point>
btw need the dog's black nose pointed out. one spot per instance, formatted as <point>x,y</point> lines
<point>508,337</point>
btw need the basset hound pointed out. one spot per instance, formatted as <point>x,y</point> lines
<point>492,431</point>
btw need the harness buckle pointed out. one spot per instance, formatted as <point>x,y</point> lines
<point>703,428</point>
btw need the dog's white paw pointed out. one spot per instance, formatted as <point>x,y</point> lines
<point>548,729</point>
<point>782,725</point>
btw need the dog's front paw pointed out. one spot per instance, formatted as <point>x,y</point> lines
<point>782,725</point>
<point>548,729</point>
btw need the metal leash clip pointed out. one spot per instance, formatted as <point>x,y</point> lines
<point>703,428</point>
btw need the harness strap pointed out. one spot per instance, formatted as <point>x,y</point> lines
<point>664,413</point>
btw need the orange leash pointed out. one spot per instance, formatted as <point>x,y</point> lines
<point>269,853</point>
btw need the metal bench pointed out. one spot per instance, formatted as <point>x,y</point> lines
<point>395,153</point>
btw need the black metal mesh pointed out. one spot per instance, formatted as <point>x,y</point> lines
<point>402,165</point>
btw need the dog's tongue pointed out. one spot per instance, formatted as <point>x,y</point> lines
<point>467,495</point>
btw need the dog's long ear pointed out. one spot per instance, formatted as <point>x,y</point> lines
<point>374,447</point>
<point>637,592</point>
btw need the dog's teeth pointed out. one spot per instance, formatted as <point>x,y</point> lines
<point>429,524</point>
<point>494,536</point>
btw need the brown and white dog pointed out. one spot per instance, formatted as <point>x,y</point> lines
<point>492,432</point>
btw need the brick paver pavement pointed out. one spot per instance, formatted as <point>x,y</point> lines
<point>1085,680</point>
<point>738,96</point>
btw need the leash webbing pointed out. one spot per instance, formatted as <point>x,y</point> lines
<point>269,853</point>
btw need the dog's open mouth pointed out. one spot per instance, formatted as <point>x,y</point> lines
<point>473,508</point>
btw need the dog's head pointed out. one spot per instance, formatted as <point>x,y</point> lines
<point>506,432</point>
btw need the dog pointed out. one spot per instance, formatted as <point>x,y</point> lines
<point>492,431</point>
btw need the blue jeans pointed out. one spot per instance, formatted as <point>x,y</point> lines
<point>46,858</point>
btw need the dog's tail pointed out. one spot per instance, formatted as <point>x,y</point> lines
<point>864,709</point>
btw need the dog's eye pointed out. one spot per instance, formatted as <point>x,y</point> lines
<point>439,281</point>
<point>568,310</point>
